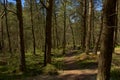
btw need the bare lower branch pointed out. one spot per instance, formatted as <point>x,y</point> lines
<point>43,4</point>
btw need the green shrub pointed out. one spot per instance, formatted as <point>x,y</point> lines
<point>115,74</point>
<point>50,70</point>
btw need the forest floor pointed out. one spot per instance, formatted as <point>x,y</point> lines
<point>72,70</point>
<point>74,65</point>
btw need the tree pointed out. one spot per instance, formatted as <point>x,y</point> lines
<point>2,40</point>
<point>7,27</point>
<point>72,32</point>
<point>99,36</point>
<point>21,35</point>
<point>56,30</point>
<point>64,32</point>
<point>89,27</point>
<point>32,25</point>
<point>107,46</point>
<point>83,24</point>
<point>48,28</point>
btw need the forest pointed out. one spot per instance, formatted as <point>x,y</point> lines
<point>59,40</point>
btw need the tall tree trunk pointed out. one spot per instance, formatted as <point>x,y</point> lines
<point>92,25</point>
<point>109,18</point>
<point>48,39</point>
<point>73,37</point>
<point>53,36</point>
<point>21,35</point>
<point>1,36</point>
<point>99,36</point>
<point>88,36</point>
<point>84,25</point>
<point>56,31</point>
<point>64,33</point>
<point>32,25</point>
<point>116,28</point>
<point>7,27</point>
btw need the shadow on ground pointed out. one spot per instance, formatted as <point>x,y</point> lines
<point>65,77</point>
<point>5,74</point>
<point>80,65</point>
<point>72,63</point>
<point>78,77</point>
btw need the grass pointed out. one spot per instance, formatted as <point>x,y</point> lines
<point>115,73</point>
<point>50,70</point>
<point>115,70</point>
<point>118,46</point>
<point>87,61</point>
<point>34,64</point>
<point>88,64</point>
<point>10,71</point>
<point>58,63</point>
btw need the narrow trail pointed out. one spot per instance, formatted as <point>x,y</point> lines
<point>71,71</point>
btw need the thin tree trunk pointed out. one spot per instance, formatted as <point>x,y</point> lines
<point>32,25</point>
<point>116,28</point>
<point>53,36</point>
<point>64,33</point>
<point>56,31</point>
<point>21,35</point>
<point>93,27</point>
<point>99,37</point>
<point>105,58</point>
<point>2,36</point>
<point>88,37</point>
<point>84,26</point>
<point>48,39</point>
<point>7,27</point>
<point>73,37</point>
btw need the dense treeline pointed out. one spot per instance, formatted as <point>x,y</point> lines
<point>34,18</point>
<point>41,26</point>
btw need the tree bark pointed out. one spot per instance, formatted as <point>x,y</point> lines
<point>2,38</point>
<point>64,33</point>
<point>7,27</point>
<point>109,18</point>
<point>99,36</point>
<point>48,39</point>
<point>32,25</point>
<point>56,31</point>
<point>84,25</point>
<point>116,28</point>
<point>72,31</point>
<point>21,35</point>
<point>89,28</point>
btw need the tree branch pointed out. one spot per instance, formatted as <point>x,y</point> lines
<point>11,11</point>
<point>2,14</point>
<point>43,4</point>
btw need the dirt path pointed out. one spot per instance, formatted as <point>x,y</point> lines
<point>71,71</point>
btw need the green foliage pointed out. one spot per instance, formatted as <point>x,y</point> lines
<point>58,62</point>
<point>115,74</point>
<point>115,70</point>
<point>118,46</point>
<point>50,70</point>
<point>57,52</point>
<point>10,71</point>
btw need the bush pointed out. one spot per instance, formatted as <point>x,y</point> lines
<point>115,74</point>
<point>50,70</point>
